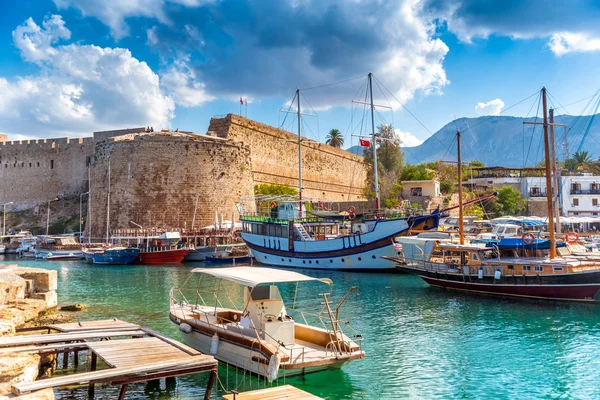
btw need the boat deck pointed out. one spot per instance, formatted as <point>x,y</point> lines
<point>287,392</point>
<point>131,354</point>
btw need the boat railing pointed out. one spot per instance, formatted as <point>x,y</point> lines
<point>327,326</point>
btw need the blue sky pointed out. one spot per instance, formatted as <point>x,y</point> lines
<point>70,67</point>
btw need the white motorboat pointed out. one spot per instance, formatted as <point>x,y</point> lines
<point>199,253</point>
<point>256,333</point>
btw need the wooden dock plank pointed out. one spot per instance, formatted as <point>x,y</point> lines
<point>205,362</point>
<point>172,342</point>
<point>41,349</point>
<point>64,337</point>
<point>287,392</point>
<point>92,325</point>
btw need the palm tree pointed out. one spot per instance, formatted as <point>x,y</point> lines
<point>583,161</point>
<point>335,138</point>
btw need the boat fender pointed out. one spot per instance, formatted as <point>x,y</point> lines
<point>273,368</point>
<point>498,274</point>
<point>572,237</point>
<point>214,344</point>
<point>185,328</point>
<point>480,273</point>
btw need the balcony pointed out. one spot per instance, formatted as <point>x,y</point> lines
<point>537,194</point>
<point>590,191</point>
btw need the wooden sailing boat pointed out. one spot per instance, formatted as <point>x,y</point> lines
<point>481,269</point>
<point>286,237</point>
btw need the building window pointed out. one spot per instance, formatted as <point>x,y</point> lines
<point>526,267</point>
<point>575,188</point>
<point>575,202</point>
<point>539,268</point>
<point>416,191</point>
<point>595,202</point>
<point>51,164</point>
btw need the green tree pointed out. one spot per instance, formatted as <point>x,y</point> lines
<point>418,172</point>
<point>509,202</point>
<point>390,161</point>
<point>274,189</point>
<point>584,162</point>
<point>335,138</point>
<point>475,210</point>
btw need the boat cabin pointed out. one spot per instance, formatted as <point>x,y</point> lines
<point>59,243</point>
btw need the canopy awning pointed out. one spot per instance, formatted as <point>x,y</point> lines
<point>254,276</point>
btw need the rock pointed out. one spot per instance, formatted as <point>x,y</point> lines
<point>51,298</point>
<point>16,368</point>
<point>44,280</point>
<point>45,394</point>
<point>74,307</point>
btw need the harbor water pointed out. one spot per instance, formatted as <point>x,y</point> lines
<point>420,342</point>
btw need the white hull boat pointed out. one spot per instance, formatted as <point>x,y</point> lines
<point>260,336</point>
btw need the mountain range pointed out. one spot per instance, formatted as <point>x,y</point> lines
<point>504,140</point>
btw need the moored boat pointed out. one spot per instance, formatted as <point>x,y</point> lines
<point>111,256</point>
<point>165,248</point>
<point>59,248</point>
<point>228,259</point>
<point>259,335</point>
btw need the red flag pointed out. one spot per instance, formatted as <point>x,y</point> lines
<point>365,143</point>
<point>241,101</point>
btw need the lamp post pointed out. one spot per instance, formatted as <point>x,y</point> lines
<point>48,215</point>
<point>80,196</point>
<point>4,215</point>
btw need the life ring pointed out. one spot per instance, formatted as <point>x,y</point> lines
<point>323,206</point>
<point>351,209</point>
<point>351,216</point>
<point>273,204</point>
<point>572,237</point>
<point>528,238</point>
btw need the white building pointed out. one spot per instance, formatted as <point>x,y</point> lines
<point>580,195</point>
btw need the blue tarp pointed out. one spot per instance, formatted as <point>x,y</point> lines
<point>525,222</point>
<point>517,243</point>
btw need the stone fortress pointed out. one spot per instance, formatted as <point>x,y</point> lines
<point>170,179</point>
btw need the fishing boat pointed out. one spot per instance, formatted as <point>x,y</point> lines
<point>111,255</point>
<point>165,248</point>
<point>256,332</point>
<point>199,253</point>
<point>516,266</point>
<point>479,269</point>
<point>59,248</point>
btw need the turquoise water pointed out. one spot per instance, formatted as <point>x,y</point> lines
<point>420,342</point>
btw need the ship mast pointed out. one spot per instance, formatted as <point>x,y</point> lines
<point>299,155</point>
<point>461,224</point>
<point>548,178</point>
<point>373,141</point>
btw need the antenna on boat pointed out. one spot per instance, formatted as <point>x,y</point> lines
<point>461,224</point>
<point>376,178</point>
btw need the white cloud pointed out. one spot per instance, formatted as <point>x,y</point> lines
<point>79,89</point>
<point>567,42</point>
<point>180,82</point>
<point>492,107</point>
<point>288,44</point>
<point>408,139</point>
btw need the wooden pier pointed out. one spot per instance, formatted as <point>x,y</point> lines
<point>287,392</point>
<point>131,353</point>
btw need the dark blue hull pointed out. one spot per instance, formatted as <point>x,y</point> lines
<point>113,256</point>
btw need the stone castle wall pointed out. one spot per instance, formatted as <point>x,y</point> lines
<point>35,171</point>
<point>328,172</point>
<point>156,178</point>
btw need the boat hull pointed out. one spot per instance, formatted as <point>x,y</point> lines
<point>113,257</point>
<point>161,257</point>
<point>59,254</point>
<point>234,354</point>
<point>582,287</point>
<point>227,260</point>
<point>353,252</point>
<point>200,255</point>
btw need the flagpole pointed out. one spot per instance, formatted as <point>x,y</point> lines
<point>246,108</point>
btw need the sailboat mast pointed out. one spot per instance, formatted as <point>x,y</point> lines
<point>299,155</point>
<point>374,144</point>
<point>88,221</point>
<point>461,223</point>
<point>548,178</point>
<point>555,180</point>
<point>108,201</point>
